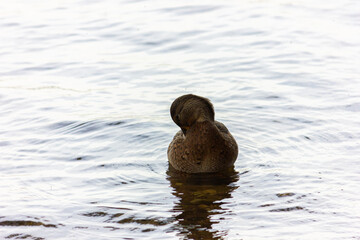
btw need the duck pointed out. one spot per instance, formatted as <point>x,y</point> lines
<point>203,145</point>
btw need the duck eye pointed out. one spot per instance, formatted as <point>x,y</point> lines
<point>177,117</point>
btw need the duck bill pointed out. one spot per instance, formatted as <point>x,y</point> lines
<point>184,129</point>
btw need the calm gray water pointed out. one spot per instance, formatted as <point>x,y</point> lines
<point>85,92</point>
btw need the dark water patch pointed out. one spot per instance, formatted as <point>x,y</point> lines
<point>114,216</point>
<point>148,230</point>
<point>114,208</point>
<point>83,158</point>
<point>140,203</point>
<point>144,221</point>
<point>26,223</point>
<point>272,97</point>
<point>267,205</point>
<point>95,214</point>
<point>115,123</point>
<point>245,172</point>
<point>280,195</point>
<point>114,229</point>
<point>289,209</point>
<point>23,236</point>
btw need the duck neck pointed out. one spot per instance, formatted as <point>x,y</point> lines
<point>202,129</point>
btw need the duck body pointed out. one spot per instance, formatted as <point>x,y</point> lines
<point>203,145</point>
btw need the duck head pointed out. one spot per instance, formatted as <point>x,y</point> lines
<point>189,109</point>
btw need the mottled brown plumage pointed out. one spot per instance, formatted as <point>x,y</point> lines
<point>203,144</point>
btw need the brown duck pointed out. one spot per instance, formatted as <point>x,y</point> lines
<point>203,144</point>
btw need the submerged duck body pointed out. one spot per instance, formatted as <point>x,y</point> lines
<point>203,144</point>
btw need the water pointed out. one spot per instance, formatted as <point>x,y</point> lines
<point>85,92</point>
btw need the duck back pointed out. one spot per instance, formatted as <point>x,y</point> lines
<point>207,147</point>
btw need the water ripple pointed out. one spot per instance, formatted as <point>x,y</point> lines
<point>85,91</point>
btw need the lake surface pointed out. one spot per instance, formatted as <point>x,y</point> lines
<point>85,92</point>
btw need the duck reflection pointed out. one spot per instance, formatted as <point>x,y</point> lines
<point>201,197</point>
